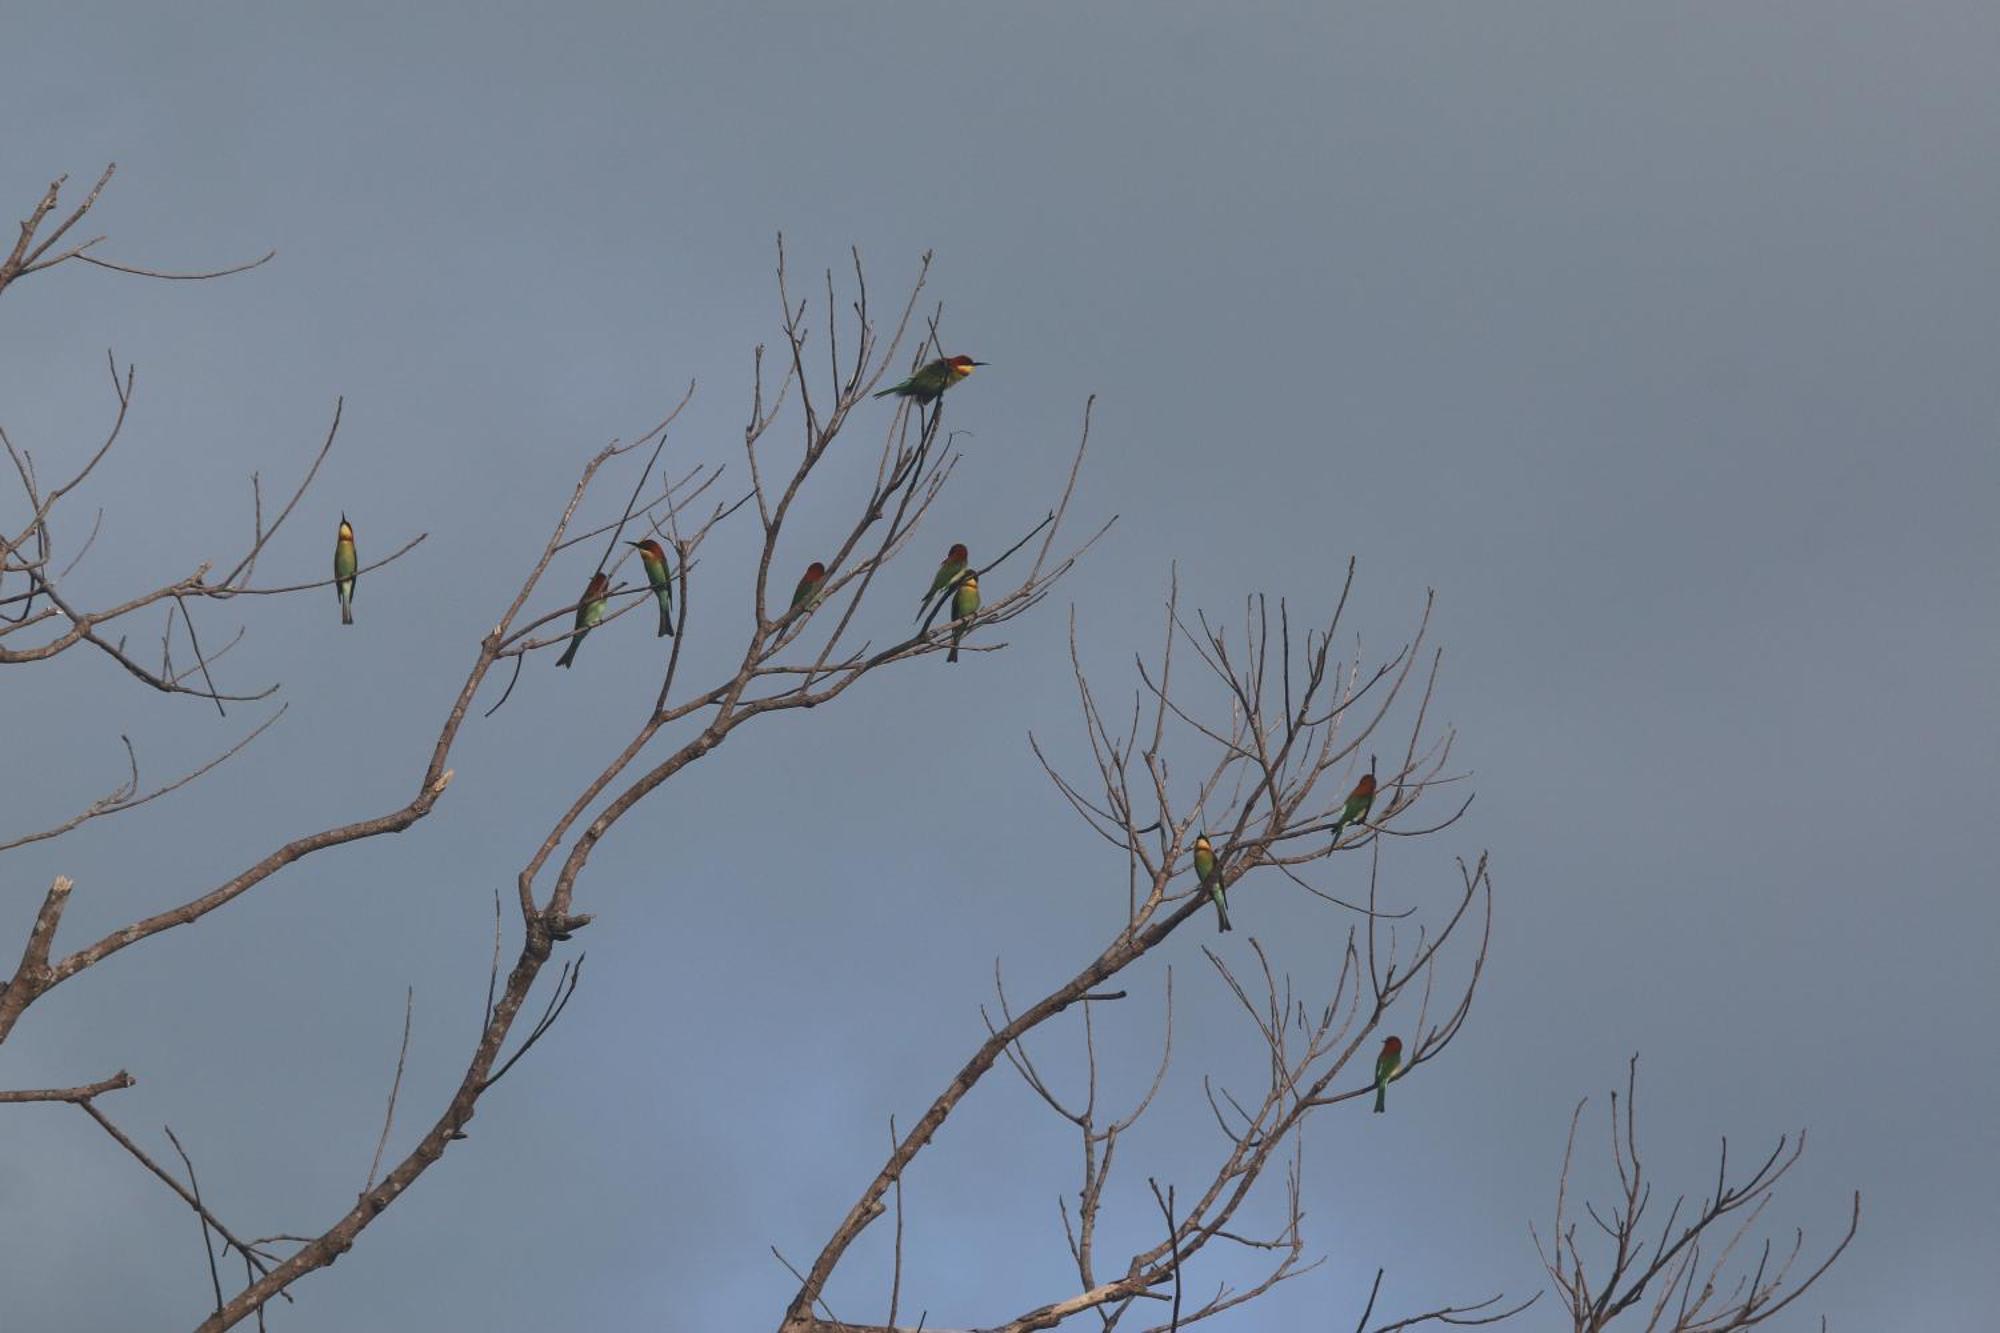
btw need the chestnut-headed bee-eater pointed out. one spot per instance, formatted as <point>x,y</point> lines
<point>929,383</point>
<point>1386,1065</point>
<point>345,562</point>
<point>812,585</point>
<point>1358,801</point>
<point>662,579</point>
<point>1204,866</point>
<point>964,605</point>
<point>947,574</point>
<point>589,611</point>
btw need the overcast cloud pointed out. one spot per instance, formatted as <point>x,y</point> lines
<point>1660,340</point>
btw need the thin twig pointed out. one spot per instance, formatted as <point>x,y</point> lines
<point>395,1086</point>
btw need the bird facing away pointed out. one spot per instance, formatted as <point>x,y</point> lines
<point>1386,1065</point>
<point>662,579</point>
<point>1358,801</point>
<point>588,612</point>
<point>964,605</point>
<point>947,574</point>
<point>345,562</point>
<point>811,586</point>
<point>1204,866</point>
<point>928,384</point>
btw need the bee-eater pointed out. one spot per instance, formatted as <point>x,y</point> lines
<point>657,574</point>
<point>964,605</point>
<point>811,586</point>
<point>1204,866</point>
<point>929,384</point>
<point>947,574</point>
<point>588,612</point>
<point>344,564</point>
<point>1358,800</point>
<point>1386,1065</point>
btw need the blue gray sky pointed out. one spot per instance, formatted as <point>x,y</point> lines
<point>1659,340</point>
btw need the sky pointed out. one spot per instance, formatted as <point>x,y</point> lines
<point>1658,340</point>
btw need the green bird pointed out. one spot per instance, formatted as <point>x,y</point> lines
<point>345,562</point>
<point>812,586</point>
<point>657,574</point>
<point>947,574</point>
<point>589,611</point>
<point>1358,801</point>
<point>928,384</point>
<point>1386,1065</point>
<point>1204,867</point>
<point>964,605</point>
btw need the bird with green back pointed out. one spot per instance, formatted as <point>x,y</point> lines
<point>662,580</point>
<point>812,586</point>
<point>589,611</point>
<point>1205,870</point>
<point>928,384</point>
<point>1359,801</point>
<point>1386,1066</point>
<point>947,574</point>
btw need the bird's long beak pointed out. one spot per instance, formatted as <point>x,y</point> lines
<point>982,363</point>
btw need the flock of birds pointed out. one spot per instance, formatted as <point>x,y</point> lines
<point>924,387</point>
<point>1359,802</point>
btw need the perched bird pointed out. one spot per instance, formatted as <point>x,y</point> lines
<point>1358,800</point>
<point>964,605</point>
<point>929,384</point>
<point>1386,1065</point>
<point>345,563</point>
<point>1204,866</point>
<point>812,585</point>
<point>947,574</point>
<point>657,574</point>
<point>588,612</point>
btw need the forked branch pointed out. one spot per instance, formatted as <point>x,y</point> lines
<point>1681,1268</point>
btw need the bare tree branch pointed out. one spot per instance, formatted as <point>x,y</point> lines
<point>1260,789</point>
<point>1669,1264</point>
<point>82,1093</point>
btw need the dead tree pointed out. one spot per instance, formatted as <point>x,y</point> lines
<point>1256,753</point>
<point>37,620</point>
<point>1691,1274</point>
<point>1263,771</point>
<point>791,657</point>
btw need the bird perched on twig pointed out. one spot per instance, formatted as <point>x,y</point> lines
<point>964,605</point>
<point>655,560</point>
<point>589,611</point>
<point>929,383</point>
<point>1358,801</point>
<point>812,585</point>
<point>954,564</point>
<point>1386,1065</point>
<point>345,562</point>
<point>1204,866</point>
